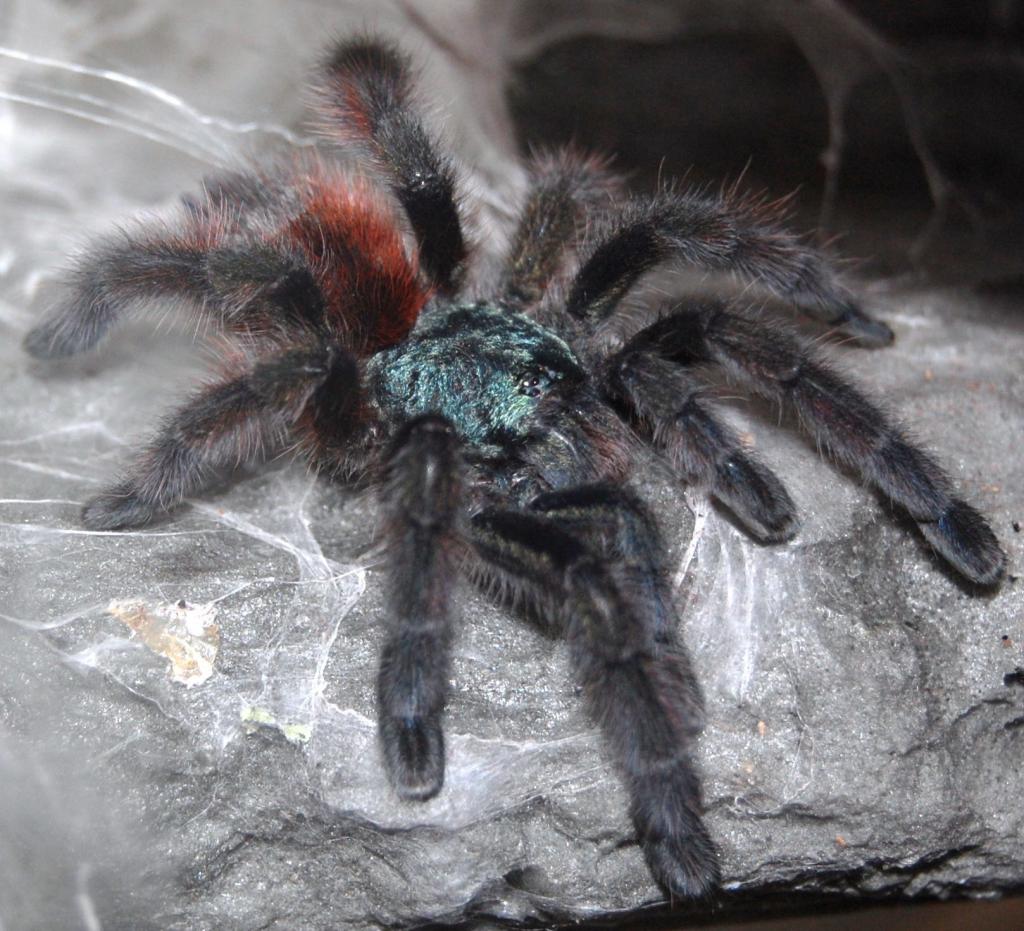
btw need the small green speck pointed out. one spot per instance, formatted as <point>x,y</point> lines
<point>254,717</point>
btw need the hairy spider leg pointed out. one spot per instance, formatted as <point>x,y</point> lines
<point>716,233</point>
<point>671,408</point>
<point>616,524</point>
<point>223,426</point>
<point>420,495</point>
<point>637,683</point>
<point>330,265</point>
<point>566,188</point>
<point>778,365</point>
<point>252,288</point>
<point>242,198</point>
<point>364,96</point>
<point>326,432</point>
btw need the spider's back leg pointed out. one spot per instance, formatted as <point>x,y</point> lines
<point>719,234</point>
<point>318,258</point>
<point>250,287</point>
<point>365,96</point>
<point>235,421</point>
<point>566,190</point>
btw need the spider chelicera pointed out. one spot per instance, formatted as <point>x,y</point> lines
<point>501,430</point>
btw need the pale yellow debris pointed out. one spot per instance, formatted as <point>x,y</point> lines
<point>185,634</point>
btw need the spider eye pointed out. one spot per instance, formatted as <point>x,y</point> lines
<point>530,385</point>
<point>534,383</point>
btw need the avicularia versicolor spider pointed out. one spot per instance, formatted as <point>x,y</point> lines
<point>500,429</point>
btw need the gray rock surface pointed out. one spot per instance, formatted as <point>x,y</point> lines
<point>865,717</point>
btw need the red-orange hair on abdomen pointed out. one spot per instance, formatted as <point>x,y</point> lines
<point>353,243</point>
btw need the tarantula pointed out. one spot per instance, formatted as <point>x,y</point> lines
<point>501,429</point>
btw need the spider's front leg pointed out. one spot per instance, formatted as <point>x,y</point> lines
<point>420,496</point>
<point>778,365</point>
<point>614,523</point>
<point>636,680</point>
<point>670,404</point>
<point>222,426</point>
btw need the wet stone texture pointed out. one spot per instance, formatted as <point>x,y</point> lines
<point>866,710</point>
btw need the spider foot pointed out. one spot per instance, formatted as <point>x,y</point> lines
<point>757,497</point>
<point>963,537</point>
<point>686,869</point>
<point>414,756</point>
<point>65,334</point>
<point>116,509</point>
<point>678,849</point>
<point>866,331</point>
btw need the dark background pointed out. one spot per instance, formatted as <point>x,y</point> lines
<point>927,99</point>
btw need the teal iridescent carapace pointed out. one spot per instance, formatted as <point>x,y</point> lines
<point>481,366</point>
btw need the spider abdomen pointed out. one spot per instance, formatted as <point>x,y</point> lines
<point>348,236</point>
